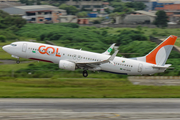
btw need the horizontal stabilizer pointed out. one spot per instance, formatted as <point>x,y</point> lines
<point>165,67</point>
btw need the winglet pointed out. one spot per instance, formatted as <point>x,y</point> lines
<point>110,59</point>
<point>108,51</point>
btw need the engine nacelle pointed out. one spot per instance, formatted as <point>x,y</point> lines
<point>64,64</point>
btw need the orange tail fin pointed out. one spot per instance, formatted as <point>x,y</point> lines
<point>161,53</point>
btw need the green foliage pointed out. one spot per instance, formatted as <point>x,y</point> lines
<point>71,25</point>
<point>139,28</point>
<point>135,5</point>
<point>68,36</point>
<point>36,30</point>
<point>107,10</point>
<point>2,38</point>
<point>161,19</point>
<point>174,54</point>
<point>128,6</point>
<point>119,8</point>
<point>82,88</point>
<point>9,34</point>
<point>127,36</point>
<point>82,14</point>
<point>96,22</point>
<point>10,22</point>
<point>137,48</point>
<point>30,2</point>
<point>71,10</point>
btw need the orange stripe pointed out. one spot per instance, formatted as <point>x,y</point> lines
<point>151,57</point>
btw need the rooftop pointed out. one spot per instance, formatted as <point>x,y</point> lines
<point>146,13</point>
<point>21,10</point>
<point>35,7</point>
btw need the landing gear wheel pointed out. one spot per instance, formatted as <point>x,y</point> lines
<point>17,61</point>
<point>85,73</point>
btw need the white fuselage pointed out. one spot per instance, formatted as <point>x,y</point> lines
<point>51,53</point>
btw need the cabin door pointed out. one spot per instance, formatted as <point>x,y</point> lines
<point>24,47</point>
<point>140,67</point>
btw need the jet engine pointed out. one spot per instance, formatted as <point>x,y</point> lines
<point>64,64</point>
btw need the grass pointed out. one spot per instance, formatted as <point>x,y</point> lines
<point>81,88</point>
<point>177,42</point>
<point>8,67</point>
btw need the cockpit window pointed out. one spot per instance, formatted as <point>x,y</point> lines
<point>13,45</point>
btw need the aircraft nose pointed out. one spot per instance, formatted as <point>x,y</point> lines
<point>5,48</point>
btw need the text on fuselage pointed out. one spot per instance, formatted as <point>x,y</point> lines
<point>45,50</point>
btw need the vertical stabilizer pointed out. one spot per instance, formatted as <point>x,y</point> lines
<point>160,54</point>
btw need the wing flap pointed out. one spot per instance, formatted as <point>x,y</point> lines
<point>110,59</point>
<point>95,64</point>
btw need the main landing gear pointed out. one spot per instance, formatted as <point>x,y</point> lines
<point>17,61</point>
<point>85,73</point>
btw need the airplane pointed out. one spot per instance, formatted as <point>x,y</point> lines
<point>72,59</point>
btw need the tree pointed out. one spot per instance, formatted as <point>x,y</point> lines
<point>107,10</point>
<point>82,14</point>
<point>8,21</point>
<point>161,19</point>
<point>116,14</point>
<point>72,10</point>
<point>121,7</point>
<point>2,38</point>
<point>139,6</point>
<point>38,2</point>
<point>136,5</point>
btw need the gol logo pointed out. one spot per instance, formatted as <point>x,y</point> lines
<point>46,49</point>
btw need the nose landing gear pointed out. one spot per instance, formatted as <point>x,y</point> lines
<point>85,73</point>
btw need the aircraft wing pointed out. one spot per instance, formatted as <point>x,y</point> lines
<point>95,64</point>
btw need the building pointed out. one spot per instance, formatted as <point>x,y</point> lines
<point>37,13</point>
<point>137,17</point>
<point>159,5</point>
<point>68,19</point>
<point>172,11</point>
